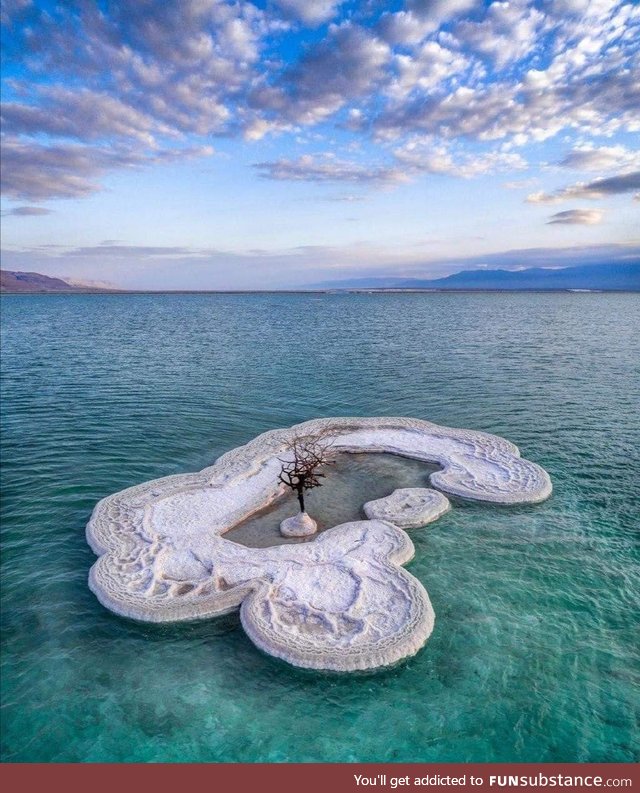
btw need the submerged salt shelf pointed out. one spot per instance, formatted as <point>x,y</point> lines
<point>342,602</point>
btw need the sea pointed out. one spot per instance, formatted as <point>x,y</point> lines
<point>535,655</point>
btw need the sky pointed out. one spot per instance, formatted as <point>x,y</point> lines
<point>201,144</point>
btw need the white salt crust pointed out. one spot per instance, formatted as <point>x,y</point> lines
<point>300,525</point>
<point>341,602</point>
<point>408,507</point>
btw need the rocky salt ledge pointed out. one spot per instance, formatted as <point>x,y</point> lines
<point>340,602</point>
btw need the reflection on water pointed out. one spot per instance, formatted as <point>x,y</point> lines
<point>350,482</point>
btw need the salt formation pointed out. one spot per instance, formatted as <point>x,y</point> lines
<point>408,507</point>
<point>341,602</point>
<point>300,525</point>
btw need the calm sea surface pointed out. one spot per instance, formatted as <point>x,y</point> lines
<point>535,654</point>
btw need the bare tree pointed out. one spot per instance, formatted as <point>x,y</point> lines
<point>310,452</point>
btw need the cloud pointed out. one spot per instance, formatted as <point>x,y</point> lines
<point>439,11</point>
<point>134,79</point>
<point>28,211</point>
<point>112,250</point>
<point>598,188</point>
<point>509,31</point>
<point>85,115</point>
<point>425,156</point>
<point>11,9</point>
<point>565,73</point>
<point>310,12</point>
<point>349,63</point>
<point>520,184</point>
<point>193,66</point>
<point>576,217</point>
<point>189,33</point>
<point>404,27</point>
<point>415,158</point>
<point>420,18</point>
<point>314,169</point>
<point>38,172</point>
<point>593,158</point>
<point>429,66</point>
<point>350,198</point>
<point>524,110</point>
<point>166,65</point>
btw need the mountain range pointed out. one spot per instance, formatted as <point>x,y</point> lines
<point>624,276</point>
<point>601,277</point>
<point>14,281</point>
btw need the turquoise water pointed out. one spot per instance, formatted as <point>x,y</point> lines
<point>534,656</point>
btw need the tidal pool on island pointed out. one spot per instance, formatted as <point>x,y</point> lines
<point>534,654</point>
<point>350,482</point>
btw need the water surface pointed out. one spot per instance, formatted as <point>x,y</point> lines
<point>534,656</point>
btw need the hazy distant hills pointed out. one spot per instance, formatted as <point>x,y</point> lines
<point>12,281</point>
<point>599,276</point>
<point>604,277</point>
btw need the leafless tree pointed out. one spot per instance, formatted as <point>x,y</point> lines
<point>310,452</point>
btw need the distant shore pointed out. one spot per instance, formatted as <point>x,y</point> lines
<point>592,278</point>
<point>345,291</point>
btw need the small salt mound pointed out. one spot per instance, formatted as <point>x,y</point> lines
<point>408,507</point>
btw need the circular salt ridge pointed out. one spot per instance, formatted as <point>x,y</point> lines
<point>408,507</point>
<point>163,556</point>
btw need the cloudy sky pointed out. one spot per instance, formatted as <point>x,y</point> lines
<point>202,144</point>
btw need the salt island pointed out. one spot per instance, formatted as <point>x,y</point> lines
<point>341,601</point>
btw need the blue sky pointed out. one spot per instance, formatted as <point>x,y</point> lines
<point>220,145</point>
